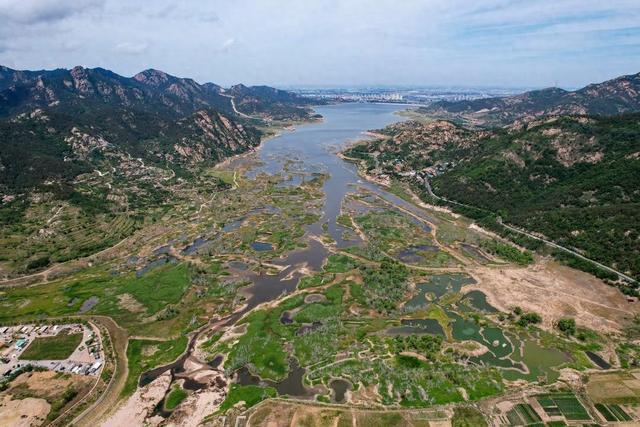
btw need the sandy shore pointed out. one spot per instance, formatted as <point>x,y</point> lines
<point>136,409</point>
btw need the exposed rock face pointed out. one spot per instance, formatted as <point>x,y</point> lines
<point>148,90</point>
<point>84,119</point>
<point>268,102</point>
<point>93,112</point>
<point>82,143</point>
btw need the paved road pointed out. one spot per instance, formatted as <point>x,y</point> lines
<point>533,236</point>
<point>233,105</point>
<point>555,245</point>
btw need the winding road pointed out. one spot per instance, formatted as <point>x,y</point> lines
<point>533,236</point>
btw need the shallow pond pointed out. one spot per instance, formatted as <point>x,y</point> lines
<point>261,246</point>
<point>88,304</point>
<point>292,385</point>
<point>233,225</point>
<point>474,253</point>
<point>193,247</point>
<point>541,361</point>
<point>478,300</point>
<point>155,264</point>
<point>340,388</point>
<point>162,250</point>
<point>413,254</point>
<point>238,265</point>
<point>417,326</point>
<point>437,286</point>
<point>599,361</point>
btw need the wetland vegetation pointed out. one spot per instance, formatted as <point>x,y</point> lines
<point>297,279</point>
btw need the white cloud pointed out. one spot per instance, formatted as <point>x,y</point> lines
<point>42,11</point>
<point>131,48</point>
<point>491,42</point>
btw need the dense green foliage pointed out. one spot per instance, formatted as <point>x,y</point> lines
<point>175,397</point>
<point>467,417</point>
<point>614,96</point>
<point>575,180</point>
<point>567,326</point>
<point>526,319</point>
<point>428,346</point>
<point>590,205</point>
<point>385,286</point>
<point>267,101</point>
<point>145,354</point>
<point>56,406</point>
<point>507,252</point>
<point>249,394</point>
<point>98,145</point>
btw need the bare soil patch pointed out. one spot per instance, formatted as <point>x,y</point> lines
<point>613,387</point>
<point>128,302</point>
<point>556,291</point>
<point>141,404</point>
<point>49,384</point>
<point>23,412</point>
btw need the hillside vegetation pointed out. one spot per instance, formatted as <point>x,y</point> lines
<point>574,179</point>
<point>88,156</point>
<point>615,96</point>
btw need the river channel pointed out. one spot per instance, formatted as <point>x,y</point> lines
<point>312,148</point>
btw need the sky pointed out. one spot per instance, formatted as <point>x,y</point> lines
<point>499,43</point>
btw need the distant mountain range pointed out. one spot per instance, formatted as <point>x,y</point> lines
<point>54,123</point>
<point>616,96</point>
<point>551,169</point>
<point>149,90</point>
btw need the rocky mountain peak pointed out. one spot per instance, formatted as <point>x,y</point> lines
<point>81,79</point>
<point>152,77</point>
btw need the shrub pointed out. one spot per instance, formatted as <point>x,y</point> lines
<point>527,319</point>
<point>567,325</point>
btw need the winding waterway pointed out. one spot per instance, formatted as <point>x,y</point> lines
<point>313,148</point>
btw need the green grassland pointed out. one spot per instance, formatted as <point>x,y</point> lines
<point>73,233</point>
<point>250,394</point>
<point>263,348</point>
<point>151,293</point>
<point>352,321</point>
<point>526,177</point>
<point>58,347</point>
<point>175,397</point>
<point>392,233</point>
<point>467,417</point>
<point>145,354</point>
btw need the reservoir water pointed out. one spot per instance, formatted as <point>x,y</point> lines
<point>313,148</point>
<point>310,148</point>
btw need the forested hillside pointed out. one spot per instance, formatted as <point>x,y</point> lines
<point>92,154</point>
<point>573,179</point>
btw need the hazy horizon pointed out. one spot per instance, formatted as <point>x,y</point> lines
<point>500,43</point>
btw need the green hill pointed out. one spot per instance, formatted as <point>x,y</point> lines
<point>574,179</point>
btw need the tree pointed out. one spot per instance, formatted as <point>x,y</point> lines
<point>529,319</point>
<point>567,326</point>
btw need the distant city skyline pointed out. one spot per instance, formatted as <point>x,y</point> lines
<point>332,43</point>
